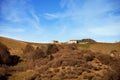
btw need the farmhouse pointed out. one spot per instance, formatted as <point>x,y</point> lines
<point>73,41</point>
<point>55,42</point>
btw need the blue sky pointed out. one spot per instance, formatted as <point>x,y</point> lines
<point>63,20</point>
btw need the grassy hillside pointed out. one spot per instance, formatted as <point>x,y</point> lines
<point>105,47</point>
<point>12,43</point>
<point>16,46</point>
<point>61,61</point>
<point>101,47</point>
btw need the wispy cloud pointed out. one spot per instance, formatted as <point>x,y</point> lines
<point>12,10</point>
<point>35,21</point>
<point>19,11</point>
<point>51,16</point>
<point>11,30</point>
<point>83,17</point>
<point>76,19</point>
<point>19,20</point>
<point>108,30</point>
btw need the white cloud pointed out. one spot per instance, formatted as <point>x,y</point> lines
<point>19,11</point>
<point>78,19</point>
<point>89,17</point>
<point>5,29</point>
<point>35,21</point>
<point>13,10</point>
<point>35,17</point>
<point>106,30</point>
<point>51,16</point>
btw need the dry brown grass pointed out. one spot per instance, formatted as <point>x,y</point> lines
<point>96,47</point>
<point>12,43</point>
<point>4,55</point>
<point>16,46</point>
<point>104,47</point>
<point>64,61</point>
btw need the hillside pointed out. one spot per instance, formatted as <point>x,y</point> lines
<point>96,47</point>
<point>12,43</point>
<point>105,47</point>
<point>36,61</point>
<point>16,46</point>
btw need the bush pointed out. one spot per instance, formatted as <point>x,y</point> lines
<point>52,48</point>
<point>4,72</point>
<point>30,53</point>
<point>29,48</point>
<point>104,58</point>
<point>114,63</point>
<point>14,59</point>
<point>71,46</point>
<point>88,55</point>
<point>38,53</point>
<point>115,53</point>
<point>4,54</point>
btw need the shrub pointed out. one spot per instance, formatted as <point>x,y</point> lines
<point>4,55</point>
<point>88,55</point>
<point>104,58</point>
<point>52,48</point>
<point>4,72</point>
<point>56,70</point>
<point>43,69</point>
<point>56,63</point>
<point>29,48</point>
<point>14,59</point>
<point>32,77</point>
<point>71,46</point>
<point>38,53</point>
<point>32,54</point>
<point>114,63</point>
<point>115,53</point>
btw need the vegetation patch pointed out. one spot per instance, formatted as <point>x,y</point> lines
<point>61,62</point>
<point>86,45</point>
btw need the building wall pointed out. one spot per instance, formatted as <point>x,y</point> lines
<point>54,42</point>
<point>72,42</point>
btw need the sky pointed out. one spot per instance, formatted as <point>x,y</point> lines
<point>62,20</point>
